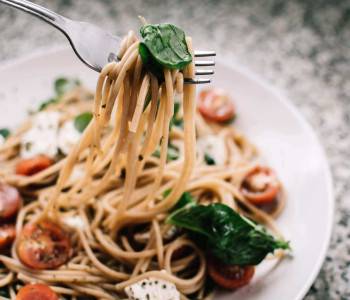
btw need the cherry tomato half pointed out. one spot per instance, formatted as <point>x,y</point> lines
<point>31,166</point>
<point>36,291</point>
<point>260,186</point>
<point>215,105</point>
<point>10,201</point>
<point>7,235</point>
<point>43,245</point>
<point>230,276</point>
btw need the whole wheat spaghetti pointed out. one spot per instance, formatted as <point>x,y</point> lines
<point>115,211</point>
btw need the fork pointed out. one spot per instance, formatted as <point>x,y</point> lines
<point>94,46</point>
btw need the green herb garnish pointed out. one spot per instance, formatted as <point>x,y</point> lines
<point>147,101</point>
<point>163,45</point>
<point>5,132</point>
<point>166,193</point>
<point>229,237</point>
<point>61,86</point>
<point>172,154</point>
<point>151,64</point>
<point>82,121</point>
<point>48,102</point>
<point>186,199</point>
<point>209,160</point>
<point>175,120</point>
<point>64,85</point>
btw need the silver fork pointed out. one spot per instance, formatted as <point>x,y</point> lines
<point>94,46</point>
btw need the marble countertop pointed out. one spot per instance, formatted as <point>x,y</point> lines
<point>300,46</point>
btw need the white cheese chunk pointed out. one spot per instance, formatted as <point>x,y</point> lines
<point>74,222</point>
<point>261,180</point>
<point>2,140</point>
<point>213,146</point>
<point>152,289</point>
<point>41,138</point>
<point>68,136</point>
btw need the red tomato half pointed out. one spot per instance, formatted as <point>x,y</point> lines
<point>230,276</point>
<point>31,166</point>
<point>36,291</point>
<point>7,235</point>
<point>43,245</point>
<point>260,186</point>
<point>215,105</point>
<point>10,201</point>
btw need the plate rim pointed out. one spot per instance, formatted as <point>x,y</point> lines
<point>280,96</point>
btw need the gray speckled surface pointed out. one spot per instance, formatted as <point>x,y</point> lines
<point>300,46</point>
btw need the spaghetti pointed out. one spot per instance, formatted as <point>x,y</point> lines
<point>115,211</point>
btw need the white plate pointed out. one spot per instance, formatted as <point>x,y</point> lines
<point>285,139</point>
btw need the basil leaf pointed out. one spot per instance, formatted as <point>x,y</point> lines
<point>46,103</point>
<point>209,160</point>
<point>5,132</point>
<point>228,236</point>
<point>166,45</point>
<point>82,121</point>
<point>63,85</point>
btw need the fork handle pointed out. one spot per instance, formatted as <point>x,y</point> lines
<point>38,11</point>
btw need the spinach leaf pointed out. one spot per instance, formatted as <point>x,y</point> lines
<point>147,101</point>
<point>175,120</point>
<point>186,199</point>
<point>228,236</point>
<point>209,160</point>
<point>63,85</point>
<point>5,132</point>
<point>152,65</point>
<point>48,102</point>
<point>82,121</point>
<point>166,193</point>
<point>173,153</point>
<point>166,45</point>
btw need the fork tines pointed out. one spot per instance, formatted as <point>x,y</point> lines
<point>202,63</point>
<point>204,53</point>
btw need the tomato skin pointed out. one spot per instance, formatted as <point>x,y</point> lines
<point>262,195</point>
<point>36,291</point>
<point>31,166</point>
<point>10,201</point>
<point>215,105</point>
<point>7,235</point>
<point>230,276</point>
<point>43,245</point>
